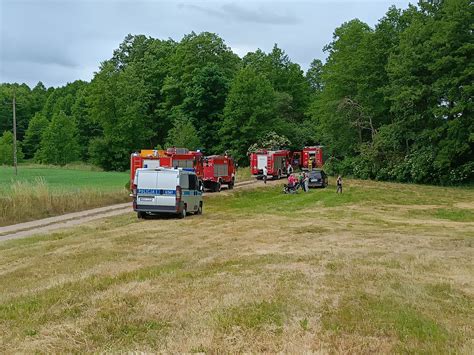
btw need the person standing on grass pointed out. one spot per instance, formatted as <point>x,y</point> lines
<point>306,182</point>
<point>265,174</point>
<point>339,184</point>
<point>301,181</point>
<point>289,171</point>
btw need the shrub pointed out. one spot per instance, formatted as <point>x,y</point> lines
<point>6,149</point>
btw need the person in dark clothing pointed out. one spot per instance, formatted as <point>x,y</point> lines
<point>301,181</point>
<point>339,184</point>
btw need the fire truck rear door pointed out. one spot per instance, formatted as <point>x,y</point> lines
<point>261,161</point>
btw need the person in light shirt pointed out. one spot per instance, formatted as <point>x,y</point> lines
<point>339,184</point>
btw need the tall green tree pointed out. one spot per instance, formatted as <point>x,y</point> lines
<point>314,75</point>
<point>6,149</point>
<point>205,101</point>
<point>38,124</point>
<point>118,103</point>
<point>63,98</point>
<point>183,134</point>
<point>341,75</point>
<point>286,78</point>
<point>59,144</point>
<point>431,77</point>
<point>25,107</point>
<point>87,129</point>
<point>249,112</point>
<point>199,72</point>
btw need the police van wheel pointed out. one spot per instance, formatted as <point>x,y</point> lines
<point>140,215</point>
<point>182,213</point>
<point>199,211</point>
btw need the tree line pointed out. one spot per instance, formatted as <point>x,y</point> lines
<point>392,102</point>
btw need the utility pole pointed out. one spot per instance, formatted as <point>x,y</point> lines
<point>14,133</point>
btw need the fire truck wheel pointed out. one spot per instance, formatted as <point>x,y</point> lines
<point>231,185</point>
<point>183,213</point>
<point>199,211</point>
<point>217,188</point>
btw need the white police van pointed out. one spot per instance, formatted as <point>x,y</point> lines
<point>166,190</point>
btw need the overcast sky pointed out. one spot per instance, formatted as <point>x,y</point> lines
<point>59,41</point>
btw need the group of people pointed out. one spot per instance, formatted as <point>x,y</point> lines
<point>302,181</point>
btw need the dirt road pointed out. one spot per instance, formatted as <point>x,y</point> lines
<point>46,225</point>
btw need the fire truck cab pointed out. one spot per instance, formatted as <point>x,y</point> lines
<point>276,161</point>
<point>218,170</point>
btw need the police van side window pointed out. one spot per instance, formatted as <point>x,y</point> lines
<point>192,182</point>
<point>184,181</point>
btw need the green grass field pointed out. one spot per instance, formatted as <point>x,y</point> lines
<point>43,191</point>
<point>64,179</point>
<point>383,268</point>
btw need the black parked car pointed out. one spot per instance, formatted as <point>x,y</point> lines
<point>317,178</point>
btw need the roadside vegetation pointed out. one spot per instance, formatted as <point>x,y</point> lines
<point>43,191</point>
<point>382,268</point>
<point>243,174</point>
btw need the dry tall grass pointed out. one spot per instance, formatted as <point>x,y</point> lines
<point>26,201</point>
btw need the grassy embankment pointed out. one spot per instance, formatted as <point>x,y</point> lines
<point>43,191</point>
<point>382,268</point>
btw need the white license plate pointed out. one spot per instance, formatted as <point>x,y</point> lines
<point>146,198</point>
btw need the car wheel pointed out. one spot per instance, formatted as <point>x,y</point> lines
<point>183,213</point>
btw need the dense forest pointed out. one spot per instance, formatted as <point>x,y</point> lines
<point>393,102</point>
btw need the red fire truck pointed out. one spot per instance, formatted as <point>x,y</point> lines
<point>218,170</point>
<point>170,158</point>
<point>276,162</point>
<point>311,157</point>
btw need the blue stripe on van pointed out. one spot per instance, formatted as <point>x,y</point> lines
<point>192,193</point>
<point>156,192</point>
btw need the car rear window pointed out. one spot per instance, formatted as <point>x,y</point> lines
<point>316,175</point>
